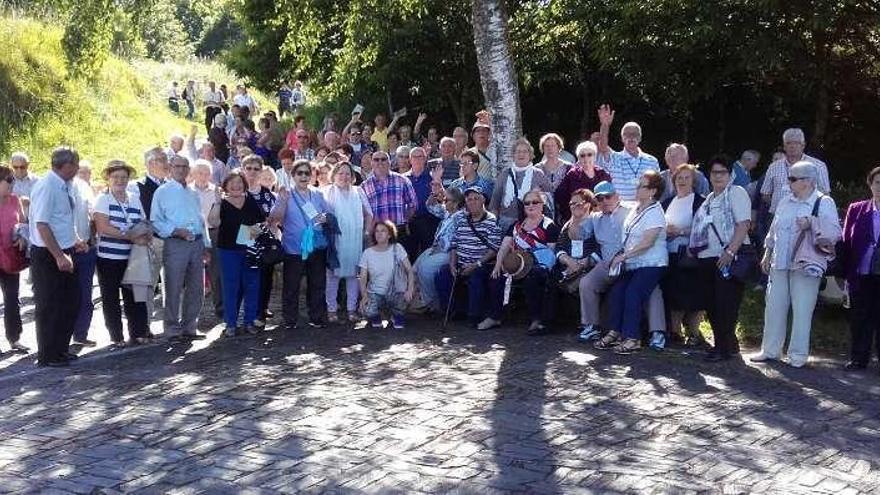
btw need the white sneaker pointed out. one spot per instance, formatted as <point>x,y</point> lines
<point>760,358</point>
<point>588,333</point>
<point>488,323</point>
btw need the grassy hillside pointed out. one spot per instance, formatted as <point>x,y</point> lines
<point>118,113</point>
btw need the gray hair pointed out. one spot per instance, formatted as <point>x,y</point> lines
<point>631,125</point>
<point>753,154</point>
<point>677,148</point>
<point>202,163</point>
<point>154,154</point>
<point>445,139</point>
<point>586,146</point>
<point>63,155</point>
<point>20,156</point>
<point>403,150</point>
<point>794,134</point>
<point>806,170</point>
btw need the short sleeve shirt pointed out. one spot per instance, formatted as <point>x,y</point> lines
<point>380,266</point>
<point>742,211</point>
<point>635,226</point>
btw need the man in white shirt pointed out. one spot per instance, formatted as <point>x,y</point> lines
<point>245,100</point>
<point>22,180</point>
<point>85,261</point>
<point>53,243</point>
<point>174,98</point>
<point>208,193</point>
<point>775,187</point>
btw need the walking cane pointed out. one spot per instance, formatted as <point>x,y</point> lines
<point>449,303</point>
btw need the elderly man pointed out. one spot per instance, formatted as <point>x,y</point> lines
<point>743,167</point>
<point>390,194</point>
<point>606,227</point>
<point>85,260</point>
<point>206,151</point>
<point>775,187</point>
<point>53,244</point>
<point>156,162</point>
<point>447,161</point>
<point>208,193</point>
<point>675,156</point>
<point>22,180</point>
<point>460,135</point>
<point>176,214</point>
<point>331,140</point>
<point>175,146</point>
<point>472,252</point>
<point>298,141</point>
<point>626,166</point>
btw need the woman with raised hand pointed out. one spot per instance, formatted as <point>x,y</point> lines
<point>116,214</point>
<point>354,216</point>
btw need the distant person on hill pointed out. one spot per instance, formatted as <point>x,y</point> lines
<point>284,95</point>
<point>213,105</point>
<point>174,99</point>
<point>189,96</point>
<point>297,98</point>
<point>244,99</point>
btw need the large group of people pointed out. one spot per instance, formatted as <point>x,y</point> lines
<point>382,221</point>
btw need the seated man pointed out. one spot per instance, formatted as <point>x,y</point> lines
<point>472,250</point>
<point>606,226</point>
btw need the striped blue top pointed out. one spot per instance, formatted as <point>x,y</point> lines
<point>123,216</point>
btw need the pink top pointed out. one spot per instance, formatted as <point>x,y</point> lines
<point>8,220</point>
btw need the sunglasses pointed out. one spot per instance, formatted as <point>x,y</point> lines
<point>792,180</point>
<point>533,203</point>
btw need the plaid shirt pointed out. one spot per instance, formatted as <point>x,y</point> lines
<point>391,198</point>
<point>776,180</point>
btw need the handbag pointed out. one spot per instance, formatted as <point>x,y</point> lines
<point>398,283</point>
<point>13,260</point>
<point>520,206</point>
<point>272,251</point>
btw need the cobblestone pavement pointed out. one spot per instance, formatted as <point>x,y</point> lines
<point>346,410</point>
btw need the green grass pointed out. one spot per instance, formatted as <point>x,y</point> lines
<point>117,113</point>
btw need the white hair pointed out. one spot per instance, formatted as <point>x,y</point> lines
<point>19,156</point>
<point>154,154</point>
<point>677,148</point>
<point>176,136</point>
<point>202,163</point>
<point>794,134</point>
<point>402,150</point>
<point>631,125</point>
<point>586,146</point>
<point>445,139</point>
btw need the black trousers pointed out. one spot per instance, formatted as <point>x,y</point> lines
<point>210,113</point>
<point>865,318</point>
<point>9,283</point>
<point>56,303</point>
<point>110,273</point>
<point>723,298</point>
<point>315,270</point>
<point>422,228</point>
<point>266,279</point>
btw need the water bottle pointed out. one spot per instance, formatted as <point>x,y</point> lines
<point>725,272</point>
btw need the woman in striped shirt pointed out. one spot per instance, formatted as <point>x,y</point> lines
<point>116,212</point>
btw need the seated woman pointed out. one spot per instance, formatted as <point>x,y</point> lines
<point>573,249</point>
<point>383,268</point>
<point>682,295</point>
<point>536,235</point>
<point>640,265</point>
<point>240,281</point>
<point>448,206</point>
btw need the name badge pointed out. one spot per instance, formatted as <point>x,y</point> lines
<point>310,211</point>
<point>577,249</point>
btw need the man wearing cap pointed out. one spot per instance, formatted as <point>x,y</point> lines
<point>775,186</point>
<point>626,166</point>
<point>606,226</point>
<point>177,217</point>
<point>481,133</point>
<point>53,244</point>
<point>472,251</point>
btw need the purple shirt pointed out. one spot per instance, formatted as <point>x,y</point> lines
<point>865,264</point>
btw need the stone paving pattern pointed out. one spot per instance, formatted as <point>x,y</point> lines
<point>345,410</point>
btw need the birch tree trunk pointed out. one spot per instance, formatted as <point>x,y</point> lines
<point>497,75</point>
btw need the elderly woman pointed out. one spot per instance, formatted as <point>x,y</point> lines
<point>683,297</point>
<point>641,265</point>
<point>383,268</point>
<point>723,225</point>
<point>253,166</point>
<point>584,175</point>
<point>446,205</point>
<point>302,213</point>
<point>116,212</point>
<point>514,183</point>
<point>573,249</point>
<point>861,261</point>
<point>536,235</point>
<point>240,280</point>
<point>804,229</point>
<point>554,167</point>
<point>12,259</point>
<point>354,216</point>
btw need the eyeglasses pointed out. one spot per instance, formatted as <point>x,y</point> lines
<point>792,180</point>
<point>466,163</point>
<point>723,171</point>
<point>533,203</point>
<point>303,173</point>
<point>253,169</point>
<point>603,197</point>
<point>584,155</point>
<point>575,204</point>
<point>20,167</point>
<point>380,159</point>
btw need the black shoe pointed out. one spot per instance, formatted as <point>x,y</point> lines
<point>85,342</point>
<point>715,357</point>
<point>538,330</point>
<point>69,356</point>
<point>177,339</point>
<point>193,336</point>
<point>317,324</point>
<point>54,364</point>
<point>291,326</point>
<point>268,314</point>
<point>854,366</point>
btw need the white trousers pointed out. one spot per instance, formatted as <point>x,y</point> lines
<point>789,289</point>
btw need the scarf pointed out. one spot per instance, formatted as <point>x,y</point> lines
<point>701,226</point>
<point>510,186</point>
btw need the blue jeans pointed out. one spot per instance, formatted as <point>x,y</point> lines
<point>485,294</point>
<point>628,296</point>
<point>85,274</point>
<point>239,283</point>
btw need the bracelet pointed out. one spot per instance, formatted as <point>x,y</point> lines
<point>728,251</point>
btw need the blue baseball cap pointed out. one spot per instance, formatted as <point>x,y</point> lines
<point>604,188</point>
<point>474,189</point>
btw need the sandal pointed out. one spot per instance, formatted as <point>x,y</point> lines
<point>608,340</point>
<point>628,346</point>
